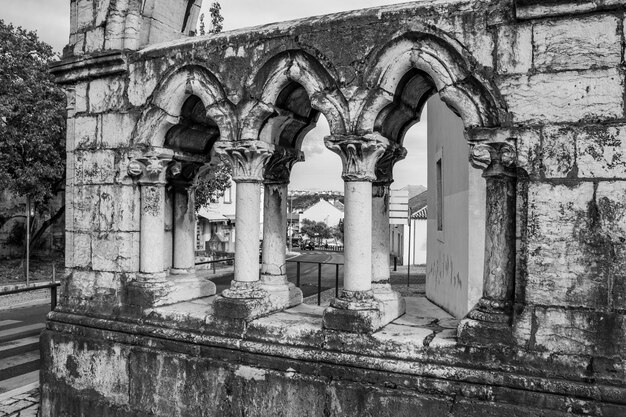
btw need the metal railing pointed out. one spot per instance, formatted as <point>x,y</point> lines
<point>213,262</point>
<point>36,287</point>
<point>319,276</point>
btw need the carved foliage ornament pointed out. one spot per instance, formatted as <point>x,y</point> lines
<point>247,158</point>
<point>496,159</point>
<point>384,167</point>
<point>149,169</point>
<point>279,166</point>
<point>359,155</point>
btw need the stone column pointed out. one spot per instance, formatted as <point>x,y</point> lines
<point>245,299</point>
<point>490,320</point>
<point>356,309</point>
<point>182,177</point>
<point>274,266</point>
<point>394,302</point>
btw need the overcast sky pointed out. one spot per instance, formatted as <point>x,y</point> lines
<point>322,169</point>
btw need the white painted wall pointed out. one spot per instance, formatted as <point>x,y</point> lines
<point>419,240</point>
<point>455,254</point>
<point>322,211</point>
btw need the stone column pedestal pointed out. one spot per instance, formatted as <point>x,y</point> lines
<point>356,309</point>
<point>491,319</point>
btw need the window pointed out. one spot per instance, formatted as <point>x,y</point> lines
<point>438,173</point>
<point>228,197</point>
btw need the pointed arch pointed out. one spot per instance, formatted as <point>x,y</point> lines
<point>165,108</point>
<point>450,72</point>
<point>287,67</point>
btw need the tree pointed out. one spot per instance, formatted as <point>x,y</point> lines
<point>217,20</point>
<point>32,123</point>
<point>317,230</point>
<point>211,186</point>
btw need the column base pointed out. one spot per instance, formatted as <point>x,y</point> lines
<point>282,294</point>
<point>489,322</point>
<point>182,271</point>
<point>362,311</point>
<point>243,301</point>
<point>153,290</point>
<point>393,303</point>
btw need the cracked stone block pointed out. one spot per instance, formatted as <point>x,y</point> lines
<point>100,368</point>
<point>80,91</point>
<point>106,94</point>
<point>563,257</point>
<point>515,49</point>
<point>570,96</point>
<point>117,129</point>
<point>559,152</point>
<point>116,252</point>
<point>97,167</point>
<point>84,14</point>
<point>85,132</point>
<point>119,208</point>
<point>82,209</point>
<point>601,152</point>
<point>581,43</point>
<point>94,40</point>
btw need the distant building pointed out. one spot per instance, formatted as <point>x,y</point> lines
<point>215,227</point>
<point>325,212</point>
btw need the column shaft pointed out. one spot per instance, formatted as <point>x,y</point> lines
<point>273,269</point>
<point>358,236</point>
<point>380,233</point>
<point>247,212</point>
<point>499,269</point>
<point>184,230</point>
<point>152,228</point>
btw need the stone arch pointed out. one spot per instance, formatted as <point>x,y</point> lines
<point>281,71</point>
<point>171,97</point>
<point>442,68</point>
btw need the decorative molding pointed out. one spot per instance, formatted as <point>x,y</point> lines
<point>148,170</point>
<point>69,72</point>
<point>359,154</point>
<point>278,168</point>
<point>384,167</point>
<point>247,158</point>
<point>495,159</point>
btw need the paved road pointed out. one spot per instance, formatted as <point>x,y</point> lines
<point>309,265</point>
<point>308,271</point>
<point>19,345</point>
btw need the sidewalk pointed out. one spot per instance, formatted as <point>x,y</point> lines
<point>21,402</point>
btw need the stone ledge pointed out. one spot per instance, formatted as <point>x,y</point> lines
<point>66,72</point>
<point>533,9</point>
<point>476,375</point>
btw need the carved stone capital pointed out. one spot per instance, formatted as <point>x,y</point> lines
<point>247,158</point>
<point>278,168</point>
<point>359,154</point>
<point>496,159</point>
<point>183,174</point>
<point>149,170</point>
<point>384,167</point>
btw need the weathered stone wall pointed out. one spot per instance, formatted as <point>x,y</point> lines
<point>546,78</point>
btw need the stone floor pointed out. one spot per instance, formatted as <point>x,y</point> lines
<point>424,325</point>
<point>20,403</point>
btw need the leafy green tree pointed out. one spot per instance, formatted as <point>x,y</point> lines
<point>32,123</point>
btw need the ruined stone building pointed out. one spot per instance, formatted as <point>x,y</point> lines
<point>539,88</point>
